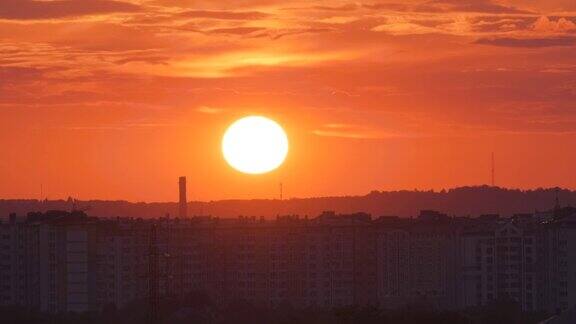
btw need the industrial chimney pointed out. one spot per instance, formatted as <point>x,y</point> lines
<point>183,202</point>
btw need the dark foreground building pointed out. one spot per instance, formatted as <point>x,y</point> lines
<point>68,262</point>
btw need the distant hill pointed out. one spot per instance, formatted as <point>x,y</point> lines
<point>461,201</point>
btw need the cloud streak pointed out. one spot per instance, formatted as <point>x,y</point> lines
<point>529,42</point>
<point>223,14</point>
<point>34,9</point>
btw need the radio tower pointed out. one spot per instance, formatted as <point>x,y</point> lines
<point>183,201</point>
<point>493,170</point>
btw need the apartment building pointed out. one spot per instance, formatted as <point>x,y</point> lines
<point>69,262</point>
<point>417,261</point>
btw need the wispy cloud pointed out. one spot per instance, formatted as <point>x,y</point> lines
<point>224,14</point>
<point>529,42</point>
<point>350,131</point>
<point>37,9</point>
<point>209,110</point>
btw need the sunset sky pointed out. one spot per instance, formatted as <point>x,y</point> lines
<point>116,99</point>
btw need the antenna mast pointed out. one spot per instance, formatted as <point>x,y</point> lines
<point>493,170</point>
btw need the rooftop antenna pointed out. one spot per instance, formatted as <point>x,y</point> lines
<point>493,170</point>
<point>281,190</point>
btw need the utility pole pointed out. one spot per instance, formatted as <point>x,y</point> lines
<point>153,276</point>
<point>177,269</point>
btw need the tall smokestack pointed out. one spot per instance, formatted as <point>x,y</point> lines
<point>183,202</point>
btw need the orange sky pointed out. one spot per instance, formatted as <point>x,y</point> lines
<point>116,99</point>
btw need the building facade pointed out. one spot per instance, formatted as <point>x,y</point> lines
<point>68,262</point>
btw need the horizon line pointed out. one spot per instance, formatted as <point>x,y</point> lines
<point>375,191</point>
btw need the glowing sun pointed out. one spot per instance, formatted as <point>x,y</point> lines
<point>255,145</point>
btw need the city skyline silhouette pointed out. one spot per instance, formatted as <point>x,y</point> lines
<point>288,161</point>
